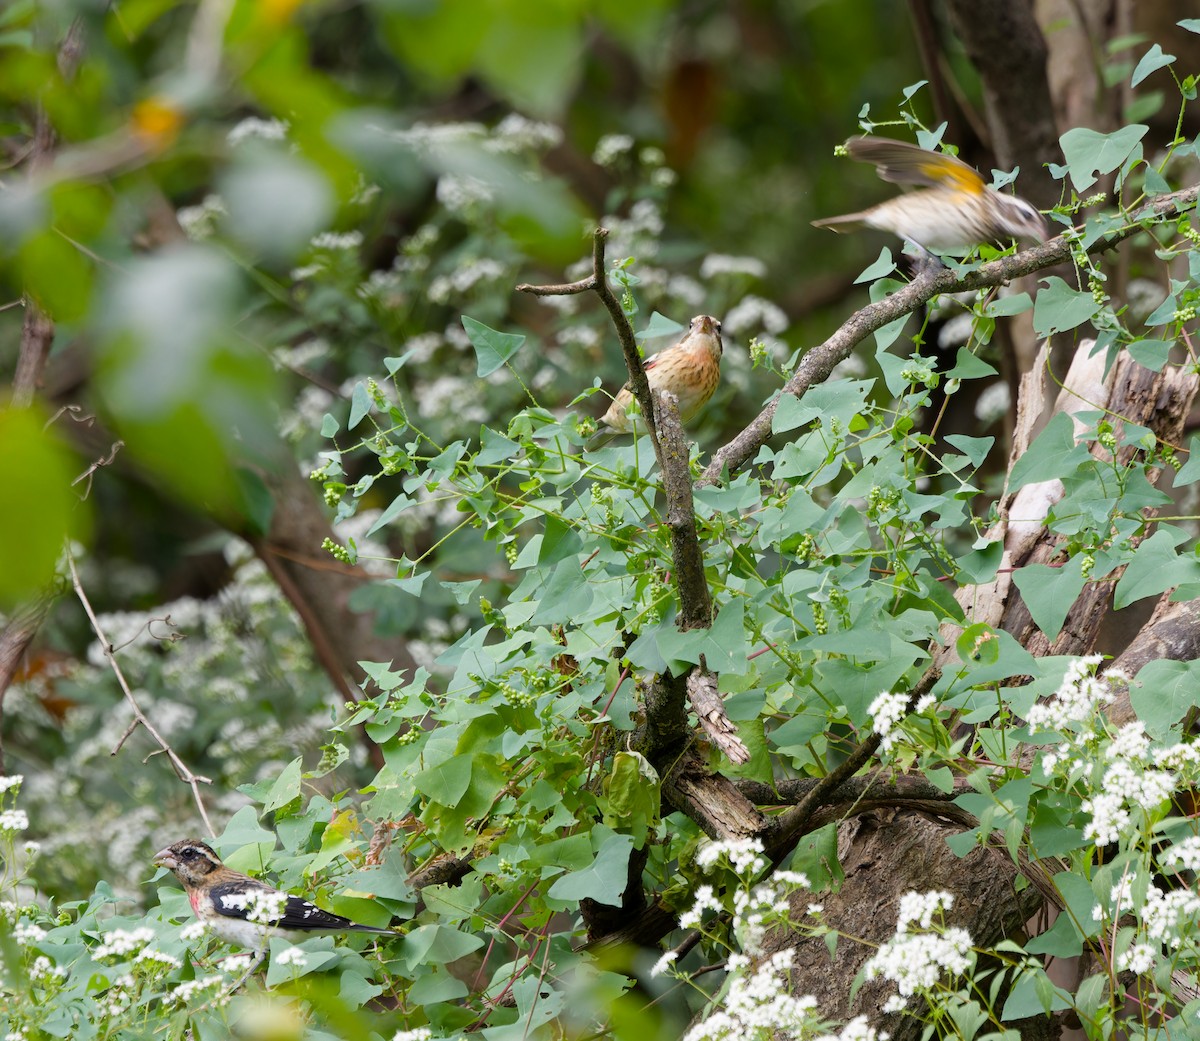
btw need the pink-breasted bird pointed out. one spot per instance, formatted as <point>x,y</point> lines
<point>690,370</point>
<point>242,910</point>
<point>954,209</point>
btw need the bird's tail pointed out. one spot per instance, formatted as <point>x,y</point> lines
<point>846,222</point>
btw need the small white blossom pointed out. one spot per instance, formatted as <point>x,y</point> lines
<point>161,957</point>
<point>253,127</point>
<point>916,961</point>
<point>236,963</point>
<point>743,855</point>
<point>1078,696</point>
<point>193,931</point>
<point>44,969</point>
<point>1138,959</point>
<point>333,241</point>
<point>26,933</point>
<point>663,963</point>
<point>753,312</point>
<point>722,264</point>
<point>461,192</point>
<point>994,401</point>
<point>8,783</point>
<point>13,820</point>
<point>1184,855</point>
<point>921,907</point>
<point>120,942</point>
<point>186,991</point>
<point>416,1034</point>
<point>886,711</point>
<point>610,148</point>
<point>293,956</point>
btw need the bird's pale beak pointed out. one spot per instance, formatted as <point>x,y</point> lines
<point>164,858</point>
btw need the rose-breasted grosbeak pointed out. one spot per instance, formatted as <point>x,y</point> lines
<point>690,370</point>
<point>241,909</point>
<point>955,209</point>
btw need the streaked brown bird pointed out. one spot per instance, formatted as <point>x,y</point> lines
<point>690,370</point>
<point>953,211</point>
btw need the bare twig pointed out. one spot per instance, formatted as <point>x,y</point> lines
<point>597,282</point>
<point>182,771</point>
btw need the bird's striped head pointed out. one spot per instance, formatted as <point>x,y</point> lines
<point>191,860</point>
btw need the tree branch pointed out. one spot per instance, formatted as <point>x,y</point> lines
<point>818,363</point>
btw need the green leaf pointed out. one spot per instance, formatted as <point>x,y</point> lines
<point>492,348</point>
<point>1049,592</point>
<point>1060,307</point>
<point>286,788</point>
<point>1053,455</point>
<point>1190,471</point>
<point>968,366</point>
<point>436,945</point>
<point>974,448</point>
<point>1152,354</point>
<point>1155,568</point>
<point>1025,999</point>
<point>38,509</point>
<point>447,782</point>
<point>1007,306</point>
<point>258,504</point>
<point>1164,692</point>
<point>1089,152</point>
<point>659,325</point>
<point>884,265</point>
<point>360,405</point>
<point>1061,940</point>
<point>1153,60</point>
<point>981,565</point>
<point>605,879</point>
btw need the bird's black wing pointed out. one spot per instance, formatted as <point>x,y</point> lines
<point>298,913</point>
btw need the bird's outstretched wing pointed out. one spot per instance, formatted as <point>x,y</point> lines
<point>899,162</point>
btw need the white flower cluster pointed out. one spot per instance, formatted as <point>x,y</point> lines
<point>333,241</point>
<point>120,942</point>
<point>13,820</point>
<point>516,134</point>
<point>1124,784</point>
<point>416,1034</point>
<point>293,956</point>
<point>1079,694</point>
<point>254,128</point>
<point>261,905</point>
<point>743,855</point>
<point>465,277</point>
<point>610,148</point>
<point>9,783</point>
<point>188,989</point>
<point>459,193</point>
<point>1184,855</point>
<point>753,312</point>
<point>915,961</point>
<point>723,264</point>
<point>199,222</point>
<point>193,931</point>
<point>159,959</point>
<point>44,970</point>
<point>1166,916</point>
<point>758,1003</point>
<point>886,711</point>
<point>26,933</point>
